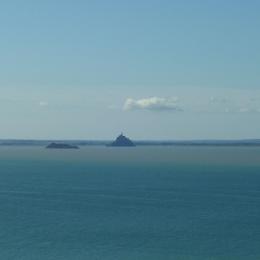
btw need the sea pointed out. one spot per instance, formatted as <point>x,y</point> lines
<point>139,203</point>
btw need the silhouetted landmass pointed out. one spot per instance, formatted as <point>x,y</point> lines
<point>61,146</point>
<point>122,141</point>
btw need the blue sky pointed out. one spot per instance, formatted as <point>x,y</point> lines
<point>153,69</point>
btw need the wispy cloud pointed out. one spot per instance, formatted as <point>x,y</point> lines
<point>153,104</point>
<point>43,103</point>
<point>233,104</point>
<point>249,110</point>
<point>219,100</point>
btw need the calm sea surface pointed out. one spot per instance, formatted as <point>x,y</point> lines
<point>142,203</point>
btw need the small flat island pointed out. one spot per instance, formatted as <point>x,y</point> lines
<point>122,141</point>
<point>61,146</point>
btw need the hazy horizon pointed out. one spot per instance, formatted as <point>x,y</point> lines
<point>138,141</point>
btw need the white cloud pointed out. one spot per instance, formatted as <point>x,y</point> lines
<point>153,104</point>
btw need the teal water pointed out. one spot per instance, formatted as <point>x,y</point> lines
<point>138,203</point>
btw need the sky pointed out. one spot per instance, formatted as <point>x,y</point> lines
<point>157,69</point>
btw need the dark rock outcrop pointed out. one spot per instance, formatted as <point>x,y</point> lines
<point>61,146</point>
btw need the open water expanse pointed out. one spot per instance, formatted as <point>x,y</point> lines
<point>142,203</point>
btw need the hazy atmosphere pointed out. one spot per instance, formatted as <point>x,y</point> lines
<point>130,129</point>
<point>152,69</point>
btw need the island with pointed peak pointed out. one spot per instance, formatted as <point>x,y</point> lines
<point>122,141</point>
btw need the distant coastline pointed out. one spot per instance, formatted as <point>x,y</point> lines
<point>242,142</point>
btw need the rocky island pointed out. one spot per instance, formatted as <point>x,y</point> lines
<point>61,146</point>
<point>122,141</point>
